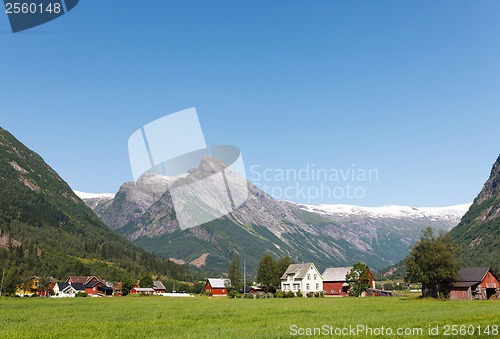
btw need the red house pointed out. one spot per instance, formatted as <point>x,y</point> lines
<point>335,284</point>
<point>218,287</point>
<point>144,290</point>
<point>475,283</point>
<point>158,287</point>
<point>91,283</point>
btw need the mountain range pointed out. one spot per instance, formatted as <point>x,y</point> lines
<point>328,235</point>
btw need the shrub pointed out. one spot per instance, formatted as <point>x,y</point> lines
<point>81,295</point>
<point>234,294</point>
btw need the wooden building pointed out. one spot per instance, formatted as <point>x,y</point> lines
<point>218,287</point>
<point>475,283</point>
<point>335,283</point>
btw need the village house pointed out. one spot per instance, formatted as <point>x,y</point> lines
<point>91,283</point>
<point>218,287</point>
<point>302,277</point>
<point>255,289</point>
<point>158,287</point>
<point>67,290</point>
<point>28,287</point>
<point>335,283</point>
<point>475,283</point>
<point>142,290</point>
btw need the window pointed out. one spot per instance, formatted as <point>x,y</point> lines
<point>317,286</point>
<point>307,286</point>
<point>333,291</point>
<point>308,277</point>
<point>315,276</point>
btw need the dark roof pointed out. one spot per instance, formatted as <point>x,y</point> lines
<point>78,286</point>
<point>105,288</point>
<point>92,284</point>
<point>472,274</point>
<point>61,285</point>
<point>464,284</point>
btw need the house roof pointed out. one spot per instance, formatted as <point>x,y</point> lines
<point>218,283</point>
<point>78,286</point>
<point>61,286</point>
<point>336,273</point>
<point>143,289</point>
<point>105,288</point>
<point>84,279</point>
<point>472,274</point>
<point>158,285</point>
<point>298,270</point>
<point>469,276</point>
<point>92,284</point>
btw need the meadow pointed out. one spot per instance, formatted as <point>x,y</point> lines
<point>203,317</point>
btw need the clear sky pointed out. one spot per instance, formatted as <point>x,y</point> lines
<point>408,89</point>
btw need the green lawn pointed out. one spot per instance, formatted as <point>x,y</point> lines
<point>199,317</point>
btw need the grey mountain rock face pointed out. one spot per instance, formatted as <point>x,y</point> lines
<point>144,212</point>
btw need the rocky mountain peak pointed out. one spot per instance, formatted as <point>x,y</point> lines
<point>491,188</point>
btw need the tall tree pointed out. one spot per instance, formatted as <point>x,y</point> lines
<point>266,272</point>
<point>235,273</point>
<point>432,261</point>
<point>359,279</point>
<point>281,266</point>
<point>146,280</point>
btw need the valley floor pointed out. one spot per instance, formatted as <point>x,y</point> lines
<point>202,317</point>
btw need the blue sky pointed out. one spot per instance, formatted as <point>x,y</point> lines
<point>409,88</point>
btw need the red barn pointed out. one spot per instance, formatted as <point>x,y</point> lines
<point>475,283</point>
<point>143,290</point>
<point>158,287</point>
<point>335,284</point>
<point>218,287</point>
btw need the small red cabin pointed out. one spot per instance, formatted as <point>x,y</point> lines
<point>218,287</point>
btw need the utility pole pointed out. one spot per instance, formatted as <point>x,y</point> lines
<point>244,276</point>
<point>1,284</point>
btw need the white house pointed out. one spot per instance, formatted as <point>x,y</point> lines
<point>66,290</point>
<point>303,277</point>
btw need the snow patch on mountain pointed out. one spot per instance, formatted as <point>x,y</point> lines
<point>389,211</point>
<point>85,195</point>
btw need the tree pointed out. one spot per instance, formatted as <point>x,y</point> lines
<point>266,272</point>
<point>281,267</point>
<point>128,283</point>
<point>146,280</point>
<point>235,273</point>
<point>432,262</point>
<point>359,279</point>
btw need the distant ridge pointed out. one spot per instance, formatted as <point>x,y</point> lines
<point>478,233</point>
<point>46,230</point>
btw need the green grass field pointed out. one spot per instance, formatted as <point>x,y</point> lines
<point>202,317</point>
